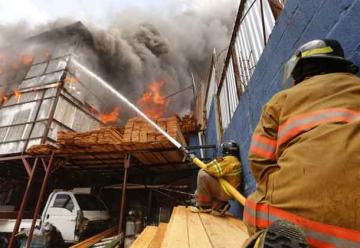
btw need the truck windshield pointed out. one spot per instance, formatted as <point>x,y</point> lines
<point>89,202</point>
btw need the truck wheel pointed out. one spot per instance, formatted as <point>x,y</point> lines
<point>3,242</point>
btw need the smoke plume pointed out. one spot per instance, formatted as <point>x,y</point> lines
<point>139,46</point>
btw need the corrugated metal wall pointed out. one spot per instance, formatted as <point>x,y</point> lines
<point>299,22</point>
<point>251,32</point>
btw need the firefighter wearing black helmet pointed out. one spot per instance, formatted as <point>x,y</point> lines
<point>304,154</point>
<point>211,195</point>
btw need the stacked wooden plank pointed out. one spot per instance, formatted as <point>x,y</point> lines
<point>107,135</point>
<point>203,230</point>
<point>139,131</point>
<point>189,124</point>
<point>138,137</point>
<point>45,149</point>
<point>151,237</point>
<point>187,229</point>
<point>143,136</point>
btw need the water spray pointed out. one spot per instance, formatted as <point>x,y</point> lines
<point>240,198</point>
<point>127,102</point>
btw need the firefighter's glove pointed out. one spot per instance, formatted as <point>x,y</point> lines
<point>189,157</point>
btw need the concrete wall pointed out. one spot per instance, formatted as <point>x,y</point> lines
<point>300,21</point>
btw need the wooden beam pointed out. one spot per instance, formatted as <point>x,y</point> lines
<point>221,232</point>
<point>197,234</point>
<point>177,231</point>
<point>159,236</point>
<point>94,239</point>
<point>145,238</point>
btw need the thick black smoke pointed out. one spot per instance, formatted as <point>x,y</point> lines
<point>139,46</point>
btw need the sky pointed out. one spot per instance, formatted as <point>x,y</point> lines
<point>36,12</point>
<point>41,11</point>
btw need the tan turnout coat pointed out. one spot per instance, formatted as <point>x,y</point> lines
<point>305,151</point>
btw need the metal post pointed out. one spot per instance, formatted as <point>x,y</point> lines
<point>40,199</point>
<point>23,203</point>
<point>263,21</point>
<point>35,118</point>
<point>123,193</point>
<point>149,204</point>
<point>53,109</point>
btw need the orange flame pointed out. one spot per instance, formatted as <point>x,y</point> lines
<point>26,59</point>
<point>4,100</point>
<point>152,102</point>
<point>71,80</point>
<point>14,66</point>
<point>111,117</point>
<point>17,94</point>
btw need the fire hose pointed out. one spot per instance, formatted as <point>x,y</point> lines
<point>236,194</point>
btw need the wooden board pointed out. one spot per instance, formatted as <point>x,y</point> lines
<point>94,239</point>
<point>137,135</point>
<point>159,236</point>
<point>194,230</point>
<point>221,232</point>
<point>145,238</point>
<point>238,223</point>
<point>176,234</point>
<point>197,234</point>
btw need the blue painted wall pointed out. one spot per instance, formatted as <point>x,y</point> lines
<point>210,133</point>
<point>300,21</point>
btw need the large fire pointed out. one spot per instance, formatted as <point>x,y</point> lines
<point>4,99</point>
<point>26,59</point>
<point>152,102</point>
<point>17,94</point>
<point>111,117</point>
<point>71,80</point>
<point>14,66</point>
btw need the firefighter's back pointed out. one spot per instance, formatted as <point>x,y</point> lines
<point>318,151</point>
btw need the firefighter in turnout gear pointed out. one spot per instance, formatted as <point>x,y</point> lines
<point>211,195</point>
<point>305,155</point>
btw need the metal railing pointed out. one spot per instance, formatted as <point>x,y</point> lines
<point>253,26</point>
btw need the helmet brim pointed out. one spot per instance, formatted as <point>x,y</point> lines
<point>294,62</point>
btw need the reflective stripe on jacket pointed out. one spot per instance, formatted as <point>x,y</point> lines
<point>228,167</point>
<point>305,151</point>
<point>317,234</point>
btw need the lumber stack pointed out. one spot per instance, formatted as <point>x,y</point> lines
<point>189,124</point>
<point>193,229</point>
<point>138,137</point>
<point>106,135</point>
<point>137,131</point>
<point>143,136</point>
<point>45,149</point>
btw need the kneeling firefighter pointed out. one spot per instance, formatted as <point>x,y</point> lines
<point>211,195</point>
<point>305,155</point>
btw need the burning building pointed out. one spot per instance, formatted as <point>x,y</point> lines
<point>54,114</point>
<point>41,94</point>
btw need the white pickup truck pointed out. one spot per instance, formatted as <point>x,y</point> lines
<point>75,215</point>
